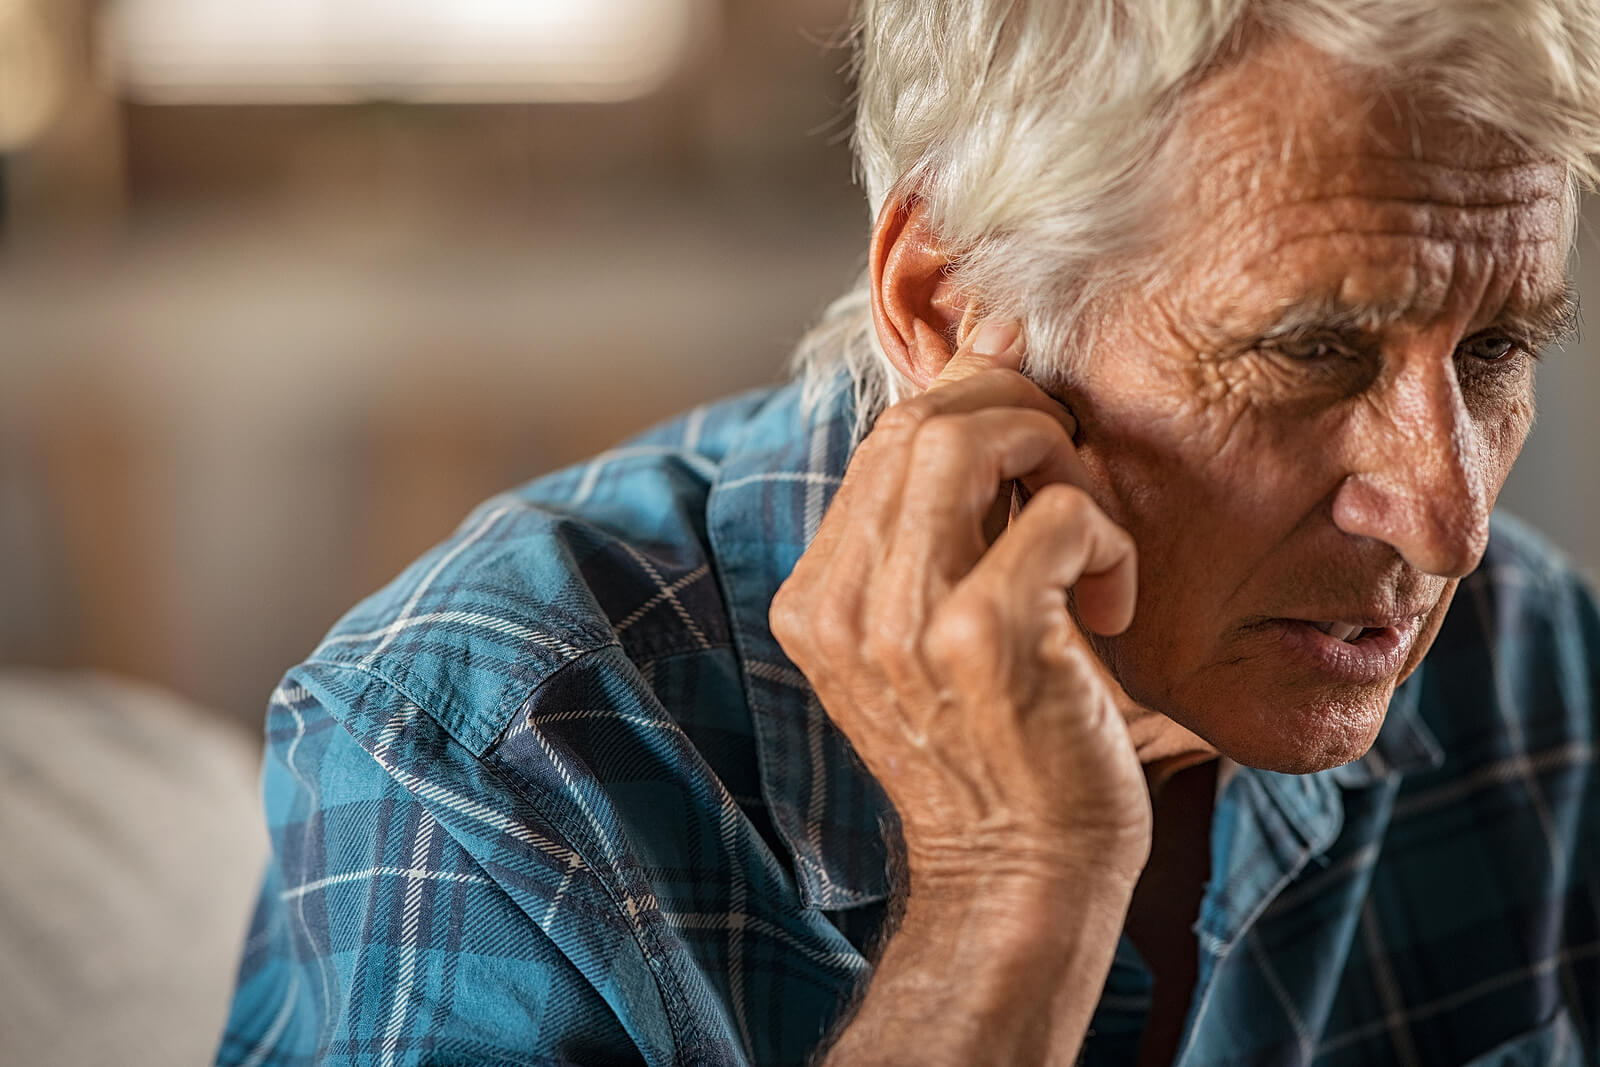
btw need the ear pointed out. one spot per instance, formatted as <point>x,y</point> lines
<point>920,315</point>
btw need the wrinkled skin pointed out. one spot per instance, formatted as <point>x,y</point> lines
<point>1219,478</point>
<point>1339,471</point>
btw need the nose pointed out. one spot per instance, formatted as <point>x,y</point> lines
<point>1418,483</point>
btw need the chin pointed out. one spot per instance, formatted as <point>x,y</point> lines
<point>1302,738</point>
<point>1287,733</point>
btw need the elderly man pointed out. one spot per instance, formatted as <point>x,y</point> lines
<point>839,724</point>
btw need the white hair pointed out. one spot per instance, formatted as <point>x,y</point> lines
<point>1028,129</point>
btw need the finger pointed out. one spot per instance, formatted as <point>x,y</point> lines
<point>870,496</point>
<point>958,464</point>
<point>982,373</point>
<point>868,502</point>
<point>995,343</point>
<point>1062,541</point>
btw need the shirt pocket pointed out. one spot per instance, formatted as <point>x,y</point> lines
<point>1552,1044</point>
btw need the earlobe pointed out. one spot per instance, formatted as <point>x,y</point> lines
<point>920,314</point>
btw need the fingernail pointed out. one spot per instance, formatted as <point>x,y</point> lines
<point>995,338</point>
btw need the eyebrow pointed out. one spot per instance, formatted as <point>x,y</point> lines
<point>1552,320</point>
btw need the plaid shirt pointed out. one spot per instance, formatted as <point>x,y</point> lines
<point>556,796</point>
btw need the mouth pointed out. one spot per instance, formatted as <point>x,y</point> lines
<point>1347,632</point>
<point>1349,651</point>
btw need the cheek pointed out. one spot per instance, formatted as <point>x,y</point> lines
<point>1503,427</point>
<point>1209,486</point>
<point>1193,467</point>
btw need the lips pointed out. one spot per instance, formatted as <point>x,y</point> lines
<point>1341,630</point>
<point>1352,627</point>
<point>1363,650</point>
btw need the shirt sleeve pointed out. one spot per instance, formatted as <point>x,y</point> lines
<point>379,936</point>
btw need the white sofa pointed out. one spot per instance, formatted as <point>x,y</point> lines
<point>131,842</point>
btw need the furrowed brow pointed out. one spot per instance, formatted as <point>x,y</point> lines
<point>1551,321</point>
<point>1314,316</point>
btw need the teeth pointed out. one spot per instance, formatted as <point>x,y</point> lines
<point>1339,630</point>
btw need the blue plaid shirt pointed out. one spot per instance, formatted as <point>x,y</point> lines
<point>556,796</point>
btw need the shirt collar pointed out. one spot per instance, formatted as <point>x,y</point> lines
<point>766,503</point>
<point>1269,827</point>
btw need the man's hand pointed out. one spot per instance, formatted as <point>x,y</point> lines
<point>952,662</point>
<point>954,666</point>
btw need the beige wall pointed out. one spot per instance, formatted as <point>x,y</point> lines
<point>248,429</point>
<point>268,355</point>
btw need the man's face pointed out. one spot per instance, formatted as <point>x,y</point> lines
<point>1308,419</point>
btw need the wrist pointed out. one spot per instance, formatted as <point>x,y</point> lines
<point>1025,867</point>
<point>1004,966</point>
<point>1027,904</point>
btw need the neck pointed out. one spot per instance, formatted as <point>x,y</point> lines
<point>1164,747</point>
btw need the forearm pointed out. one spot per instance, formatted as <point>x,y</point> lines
<point>994,972</point>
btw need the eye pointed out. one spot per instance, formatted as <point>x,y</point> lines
<point>1489,347</point>
<point>1309,349</point>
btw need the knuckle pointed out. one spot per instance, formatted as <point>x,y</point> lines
<point>832,632</point>
<point>784,616</point>
<point>904,419</point>
<point>888,640</point>
<point>1040,422</point>
<point>1062,503</point>
<point>972,627</point>
<point>942,440</point>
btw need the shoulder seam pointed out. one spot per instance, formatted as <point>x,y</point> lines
<point>639,933</point>
<point>515,692</point>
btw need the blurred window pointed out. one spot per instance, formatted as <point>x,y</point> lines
<point>307,51</point>
<point>31,72</point>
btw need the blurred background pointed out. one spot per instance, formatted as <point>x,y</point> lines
<point>286,286</point>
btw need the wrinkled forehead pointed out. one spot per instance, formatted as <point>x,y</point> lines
<point>1287,173</point>
<point>1285,124</point>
